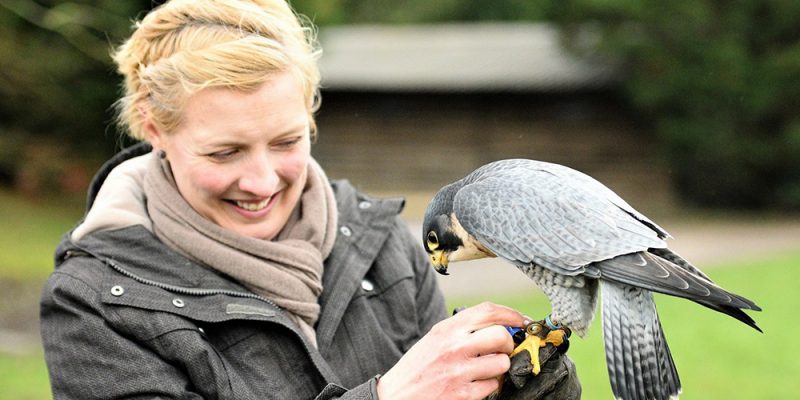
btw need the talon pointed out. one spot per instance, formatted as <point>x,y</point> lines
<point>539,334</point>
<point>556,337</point>
<point>532,344</point>
<point>559,338</point>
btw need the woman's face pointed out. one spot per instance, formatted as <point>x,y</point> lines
<point>240,158</point>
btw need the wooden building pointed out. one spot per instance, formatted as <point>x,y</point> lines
<point>408,109</point>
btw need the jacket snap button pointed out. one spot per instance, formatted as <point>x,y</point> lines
<point>345,231</point>
<point>117,290</point>
<point>367,285</point>
<point>364,205</point>
<point>178,303</point>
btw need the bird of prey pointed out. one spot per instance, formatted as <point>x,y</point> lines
<point>573,237</point>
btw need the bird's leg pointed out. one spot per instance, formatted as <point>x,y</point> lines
<point>539,334</point>
<point>557,334</point>
<point>532,343</point>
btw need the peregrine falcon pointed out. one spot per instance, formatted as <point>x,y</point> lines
<point>573,236</point>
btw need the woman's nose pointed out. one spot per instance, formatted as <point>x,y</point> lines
<point>259,177</point>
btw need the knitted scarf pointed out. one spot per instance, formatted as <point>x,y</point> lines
<point>286,270</point>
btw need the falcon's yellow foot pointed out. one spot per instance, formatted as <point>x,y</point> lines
<point>532,343</point>
<point>539,334</point>
<point>556,337</point>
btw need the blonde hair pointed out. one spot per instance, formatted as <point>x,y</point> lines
<point>184,46</point>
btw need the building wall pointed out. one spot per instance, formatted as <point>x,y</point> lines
<point>405,143</point>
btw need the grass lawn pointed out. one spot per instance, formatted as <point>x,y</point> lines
<point>717,357</point>
<point>23,377</point>
<point>30,235</point>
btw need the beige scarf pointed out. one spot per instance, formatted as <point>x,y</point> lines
<point>286,270</point>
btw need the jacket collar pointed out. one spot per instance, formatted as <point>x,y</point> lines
<point>101,175</point>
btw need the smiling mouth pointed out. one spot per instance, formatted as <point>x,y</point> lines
<point>253,206</point>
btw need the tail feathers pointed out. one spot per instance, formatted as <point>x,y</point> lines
<point>679,261</point>
<point>640,365</point>
<point>662,271</point>
<point>733,312</point>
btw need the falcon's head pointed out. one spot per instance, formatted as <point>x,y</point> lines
<point>444,237</point>
<point>440,241</point>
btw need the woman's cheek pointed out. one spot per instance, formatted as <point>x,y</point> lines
<point>211,181</point>
<point>295,163</point>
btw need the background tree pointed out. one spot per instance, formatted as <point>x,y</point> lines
<point>719,81</point>
<point>57,84</point>
<point>336,12</point>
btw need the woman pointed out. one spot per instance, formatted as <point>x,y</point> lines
<point>217,261</point>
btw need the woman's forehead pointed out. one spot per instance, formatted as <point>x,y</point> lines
<point>278,105</point>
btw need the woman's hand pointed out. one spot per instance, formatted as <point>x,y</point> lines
<point>460,358</point>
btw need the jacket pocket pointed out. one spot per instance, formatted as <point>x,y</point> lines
<point>146,312</point>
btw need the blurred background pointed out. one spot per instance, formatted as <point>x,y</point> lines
<point>689,109</point>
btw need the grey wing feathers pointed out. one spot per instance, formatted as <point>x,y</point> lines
<point>674,258</point>
<point>646,270</point>
<point>640,365</point>
<point>525,213</point>
<point>651,271</point>
<point>594,185</point>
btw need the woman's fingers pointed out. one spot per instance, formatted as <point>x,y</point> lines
<point>463,354</point>
<point>492,339</point>
<point>490,366</point>
<point>479,375</point>
<point>487,369</point>
<point>487,314</point>
<point>482,388</point>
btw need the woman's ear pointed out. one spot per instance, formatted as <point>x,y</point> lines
<point>151,132</point>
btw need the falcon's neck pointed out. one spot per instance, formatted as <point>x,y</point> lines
<point>471,248</point>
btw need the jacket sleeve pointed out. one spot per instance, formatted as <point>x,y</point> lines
<point>365,391</point>
<point>87,359</point>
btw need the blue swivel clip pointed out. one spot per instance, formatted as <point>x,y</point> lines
<point>518,334</point>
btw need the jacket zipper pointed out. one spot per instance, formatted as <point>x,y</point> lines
<point>185,290</point>
<point>172,288</point>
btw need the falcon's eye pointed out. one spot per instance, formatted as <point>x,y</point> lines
<point>433,240</point>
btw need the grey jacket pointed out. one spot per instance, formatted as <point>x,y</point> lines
<point>124,316</point>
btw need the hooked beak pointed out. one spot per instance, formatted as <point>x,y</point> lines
<point>439,261</point>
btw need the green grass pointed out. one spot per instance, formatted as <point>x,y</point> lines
<point>32,229</point>
<point>24,377</point>
<point>717,357</point>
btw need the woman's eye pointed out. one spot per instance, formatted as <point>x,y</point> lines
<point>222,155</point>
<point>287,144</point>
